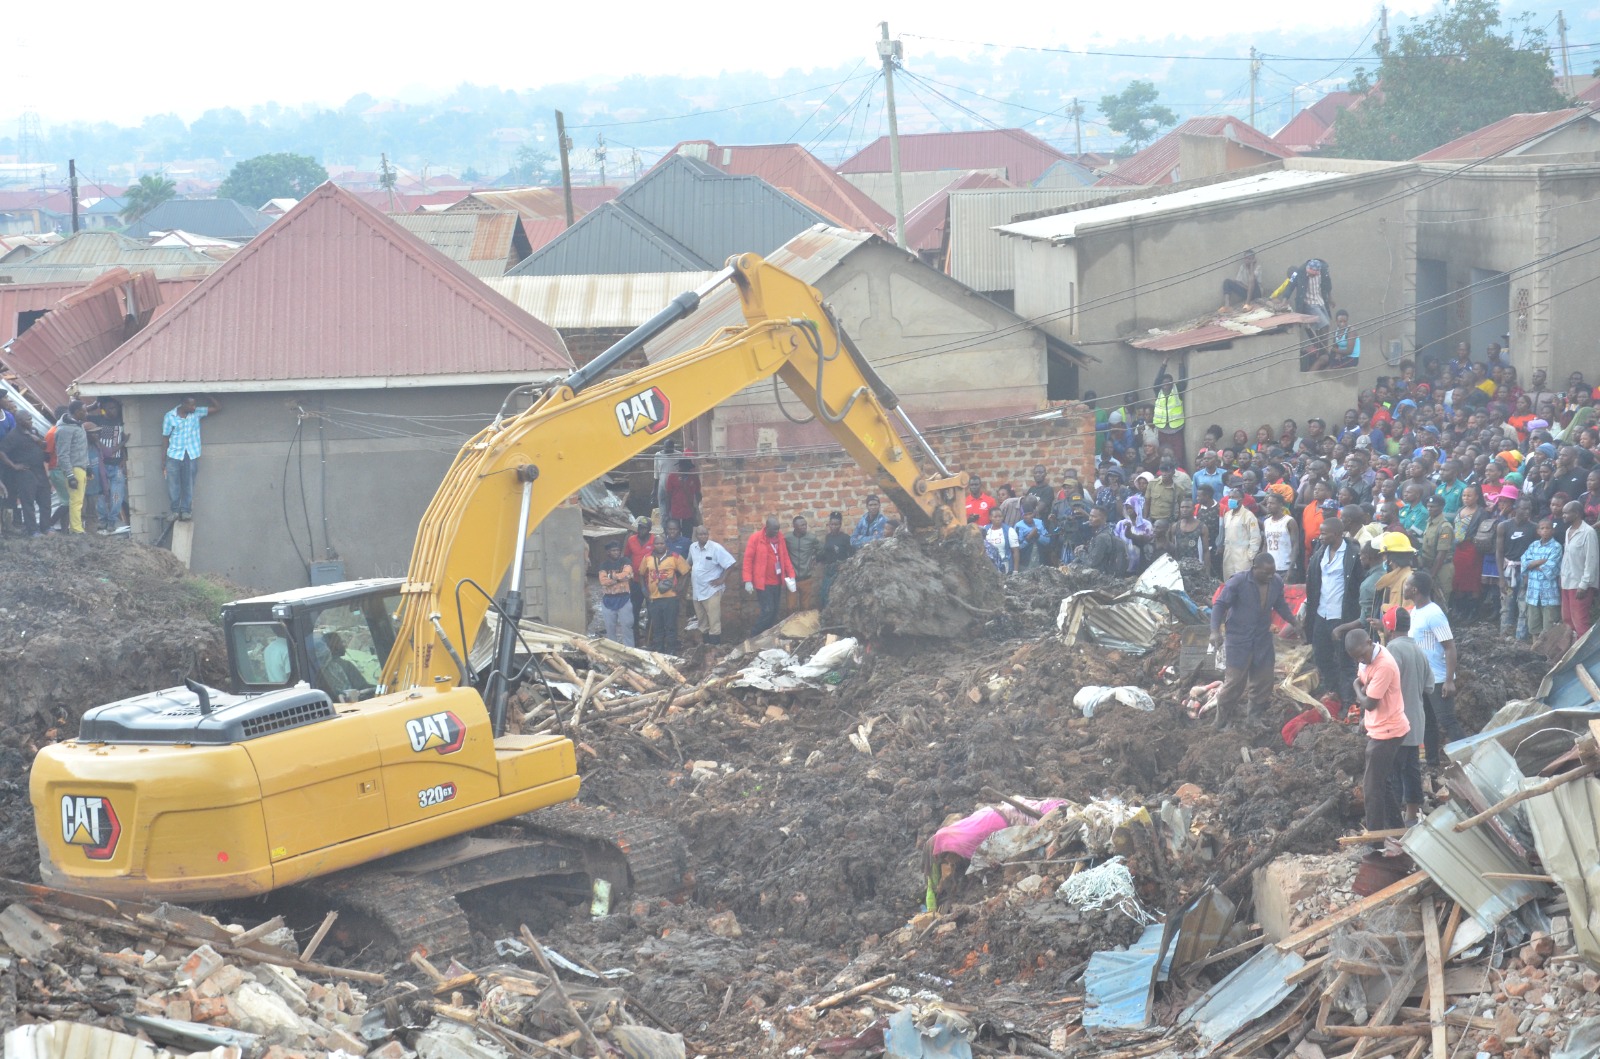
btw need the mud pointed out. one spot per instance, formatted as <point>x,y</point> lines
<point>904,592</point>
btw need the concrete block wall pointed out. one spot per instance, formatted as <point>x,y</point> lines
<point>738,493</point>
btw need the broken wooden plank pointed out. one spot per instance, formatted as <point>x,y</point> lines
<point>1368,1033</point>
<point>322,932</point>
<point>846,995</point>
<point>1435,956</point>
<point>1373,836</point>
<point>1404,888</point>
<point>1527,792</point>
<point>1399,990</point>
<point>561,993</point>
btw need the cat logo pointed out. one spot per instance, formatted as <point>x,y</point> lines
<point>91,823</point>
<point>442,732</point>
<point>647,411</point>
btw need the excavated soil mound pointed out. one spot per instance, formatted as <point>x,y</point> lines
<point>1493,670</point>
<point>84,622</point>
<point>904,591</point>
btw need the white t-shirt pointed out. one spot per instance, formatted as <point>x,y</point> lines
<point>705,566</point>
<point>1278,537</point>
<point>1431,629</point>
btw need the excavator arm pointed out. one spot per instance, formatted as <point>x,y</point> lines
<point>515,471</point>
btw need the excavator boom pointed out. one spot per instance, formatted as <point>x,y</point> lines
<point>515,471</point>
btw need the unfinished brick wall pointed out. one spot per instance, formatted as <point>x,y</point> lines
<point>738,493</point>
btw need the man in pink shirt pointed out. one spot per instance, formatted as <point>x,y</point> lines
<point>1383,707</point>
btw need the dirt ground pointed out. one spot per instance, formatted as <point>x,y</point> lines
<point>811,840</point>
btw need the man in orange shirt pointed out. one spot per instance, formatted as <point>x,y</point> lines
<point>1383,706</point>
<point>979,503</point>
<point>664,574</point>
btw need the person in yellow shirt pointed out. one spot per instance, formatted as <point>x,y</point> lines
<point>664,574</point>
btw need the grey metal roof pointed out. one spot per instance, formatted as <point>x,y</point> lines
<point>683,216</point>
<point>223,218</point>
<point>981,257</point>
<point>87,254</point>
<point>577,302</point>
<point>484,242</point>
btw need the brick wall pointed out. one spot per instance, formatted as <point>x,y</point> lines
<point>740,492</point>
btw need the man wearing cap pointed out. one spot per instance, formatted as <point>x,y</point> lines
<point>1166,497</point>
<point>1333,597</point>
<point>1399,558</point>
<point>1512,537</point>
<point>1244,608</point>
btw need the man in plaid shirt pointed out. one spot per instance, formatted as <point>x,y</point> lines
<point>181,428</point>
<point>1541,563</point>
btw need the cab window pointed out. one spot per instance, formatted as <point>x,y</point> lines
<point>261,655</point>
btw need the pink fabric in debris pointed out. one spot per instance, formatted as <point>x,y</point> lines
<point>965,835</point>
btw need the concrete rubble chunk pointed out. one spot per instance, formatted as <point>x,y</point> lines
<point>284,982</point>
<point>450,1041</point>
<point>199,965</point>
<point>257,1009</point>
<point>26,933</point>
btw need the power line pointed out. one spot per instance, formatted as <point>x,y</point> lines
<point>1185,58</point>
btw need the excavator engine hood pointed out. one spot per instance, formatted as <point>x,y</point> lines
<point>180,716</point>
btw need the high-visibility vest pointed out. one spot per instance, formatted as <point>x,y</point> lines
<point>1169,410</point>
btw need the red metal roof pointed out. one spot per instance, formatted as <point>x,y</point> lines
<point>1156,163</point>
<point>1212,333</point>
<point>1312,128</point>
<point>1510,135</point>
<point>80,330</point>
<point>333,294</point>
<point>796,171</point>
<point>18,298</point>
<point>925,224</point>
<point>1023,156</point>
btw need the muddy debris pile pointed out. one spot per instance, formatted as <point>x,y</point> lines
<point>912,837</point>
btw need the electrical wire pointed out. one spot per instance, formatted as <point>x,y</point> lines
<point>283,493</point>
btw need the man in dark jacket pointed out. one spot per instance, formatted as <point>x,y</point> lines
<point>1333,597</point>
<point>1244,610</point>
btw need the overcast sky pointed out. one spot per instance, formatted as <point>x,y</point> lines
<point>119,63</point>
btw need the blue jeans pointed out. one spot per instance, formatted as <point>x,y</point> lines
<point>1441,725</point>
<point>113,492</point>
<point>769,598</point>
<point>180,483</point>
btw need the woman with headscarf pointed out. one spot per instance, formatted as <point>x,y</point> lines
<point>1468,584</point>
<point>1136,532</point>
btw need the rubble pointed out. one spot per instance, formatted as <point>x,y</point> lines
<point>810,932</point>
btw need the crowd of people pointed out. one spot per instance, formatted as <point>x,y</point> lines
<point>67,478</point>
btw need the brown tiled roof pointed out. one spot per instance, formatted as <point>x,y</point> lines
<point>1506,135</point>
<point>333,295</point>
<point>1022,155</point>
<point>1155,164</point>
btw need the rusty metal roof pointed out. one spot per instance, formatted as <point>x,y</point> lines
<point>926,222</point>
<point>19,298</point>
<point>80,330</point>
<point>334,295</point>
<point>484,242</point>
<point>1312,128</point>
<point>1023,156</point>
<point>1514,135</point>
<point>793,169</point>
<point>86,255</point>
<point>1210,334</point>
<point>1158,163</point>
<point>538,204</point>
<point>604,301</point>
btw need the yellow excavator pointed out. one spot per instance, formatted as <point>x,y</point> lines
<point>402,795</point>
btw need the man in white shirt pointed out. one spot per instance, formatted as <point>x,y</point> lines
<point>1431,630</point>
<point>709,563</point>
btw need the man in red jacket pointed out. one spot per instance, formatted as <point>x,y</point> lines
<point>767,570</point>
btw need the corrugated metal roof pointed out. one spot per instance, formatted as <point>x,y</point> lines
<point>1221,331</point>
<point>1157,164</point>
<point>538,204</point>
<point>926,222</point>
<point>797,171</point>
<point>17,298</point>
<point>80,330</point>
<point>484,242</point>
<point>223,218</point>
<point>1254,988</point>
<point>87,254</point>
<point>1458,861</point>
<point>1059,227</point>
<point>1022,155</point>
<point>1312,128</point>
<point>333,295</point>
<point>1566,831</point>
<point>981,257</point>
<point>684,215</point>
<point>1513,135</point>
<point>575,302</point>
<point>1118,985</point>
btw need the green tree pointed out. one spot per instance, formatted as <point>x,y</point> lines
<point>272,176</point>
<point>151,191</point>
<point>532,165</point>
<point>1135,113</point>
<point>1444,76</point>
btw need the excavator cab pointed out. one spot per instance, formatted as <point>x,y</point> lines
<point>331,637</point>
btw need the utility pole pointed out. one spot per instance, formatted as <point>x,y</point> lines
<point>72,177</point>
<point>1383,30</point>
<point>889,52</point>
<point>1255,73</point>
<point>600,157</point>
<point>1566,65</point>
<point>1077,125</point>
<point>386,177</point>
<point>566,164</point>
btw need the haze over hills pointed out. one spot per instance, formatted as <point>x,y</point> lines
<point>624,124</point>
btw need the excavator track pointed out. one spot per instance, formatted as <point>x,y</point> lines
<point>408,901</point>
